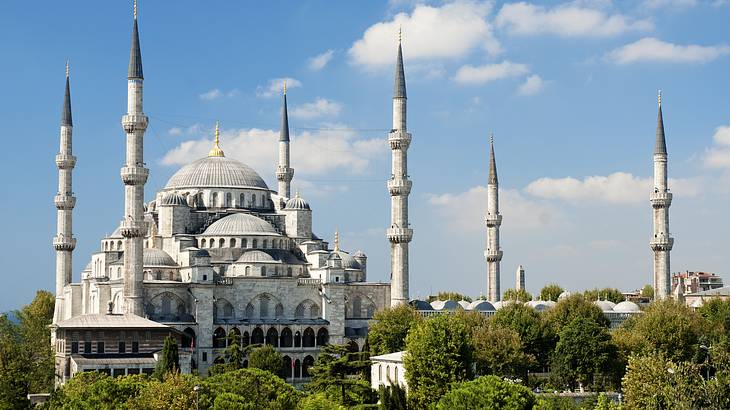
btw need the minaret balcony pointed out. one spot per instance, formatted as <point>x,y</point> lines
<point>662,243</point>
<point>399,140</point>
<point>64,243</point>
<point>660,199</point>
<point>493,256</point>
<point>493,220</point>
<point>65,161</point>
<point>284,173</point>
<point>398,187</point>
<point>134,175</point>
<point>134,122</point>
<point>400,235</point>
<point>133,229</point>
<point>64,201</point>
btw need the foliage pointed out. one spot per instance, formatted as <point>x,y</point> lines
<point>257,388</point>
<point>717,314</point>
<point>604,403</point>
<point>266,358</point>
<point>439,353</point>
<point>26,354</point>
<point>169,360</point>
<point>612,294</point>
<point>449,296</point>
<point>388,330</point>
<point>318,401</point>
<point>341,375</point>
<point>175,391</point>
<point>667,327</point>
<point>572,307</point>
<point>92,390</point>
<point>656,382</point>
<point>551,291</point>
<point>234,352</point>
<point>499,351</point>
<point>487,392</point>
<point>518,295</point>
<point>392,397</point>
<point>647,291</point>
<point>537,338</point>
<point>584,349</point>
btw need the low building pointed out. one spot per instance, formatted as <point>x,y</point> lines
<point>698,299</point>
<point>388,370</point>
<point>693,282</point>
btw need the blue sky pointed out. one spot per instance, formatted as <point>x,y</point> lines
<point>569,89</point>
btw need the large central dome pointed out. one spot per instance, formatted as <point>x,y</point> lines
<point>216,172</point>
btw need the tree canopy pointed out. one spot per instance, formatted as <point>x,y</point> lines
<point>449,296</point>
<point>572,307</point>
<point>342,376</point>
<point>499,351</point>
<point>266,358</point>
<point>487,392</point>
<point>535,335</point>
<point>388,330</point>
<point>612,294</point>
<point>551,292</point>
<point>518,295</point>
<point>584,349</point>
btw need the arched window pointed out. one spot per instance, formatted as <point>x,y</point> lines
<point>119,245</point>
<point>248,271</point>
<point>276,271</point>
<point>387,372</point>
<point>188,339</point>
<point>396,374</point>
<point>357,306</point>
<point>255,243</point>
<point>265,244</point>
<point>233,242</point>
<point>263,271</point>
<point>272,337</point>
<point>286,338</point>
<point>249,311</point>
<point>245,339</point>
<point>244,243</point>
<point>253,200</point>
<point>297,369</point>
<point>242,201</point>
<point>228,199</point>
<point>299,311</point>
<point>202,243</point>
<point>257,336</point>
<point>288,272</point>
<point>323,337</point>
<point>314,312</point>
<point>371,311</point>
<point>279,312</point>
<point>286,367</point>
<point>352,346</point>
<point>308,339</point>
<point>308,362</point>
<point>214,200</point>
<point>297,339</point>
<point>221,242</point>
<point>166,302</point>
<point>380,372</point>
<point>264,306</point>
<point>219,338</point>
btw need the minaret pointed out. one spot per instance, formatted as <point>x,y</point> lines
<point>493,253</point>
<point>399,234</point>
<point>134,175</point>
<point>661,199</point>
<point>64,242</point>
<point>520,278</point>
<point>284,173</point>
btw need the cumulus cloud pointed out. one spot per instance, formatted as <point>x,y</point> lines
<point>215,94</point>
<point>319,61</point>
<point>313,153</point>
<point>320,107</point>
<point>483,74</point>
<point>276,85</point>
<point>616,188</point>
<point>180,131</point>
<point>718,156</point>
<point>570,20</point>
<point>674,4</point>
<point>464,211</point>
<point>653,49</point>
<point>451,30</point>
<point>533,84</point>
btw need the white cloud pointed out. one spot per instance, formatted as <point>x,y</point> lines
<point>464,211</point>
<point>722,135</point>
<point>180,131</point>
<point>313,153</point>
<point>318,62</point>
<point>532,85</point>
<point>718,156</point>
<point>616,188</point>
<point>211,95</point>
<point>469,74</point>
<point>275,86</point>
<point>320,107</point>
<point>568,20</point>
<point>674,4</point>
<point>653,49</point>
<point>449,31</point>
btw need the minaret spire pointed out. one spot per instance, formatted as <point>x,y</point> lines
<point>65,201</point>
<point>284,173</point>
<point>400,233</point>
<point>493,253</point>
<point>216,151</point>
<point>134,176</point>
<point>662,242</point>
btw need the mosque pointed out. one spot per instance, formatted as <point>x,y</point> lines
<point>215,252</point>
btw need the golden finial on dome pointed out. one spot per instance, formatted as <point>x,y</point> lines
<point>285,86</point>
<point>135,9</point>
<point>400,34</point>
<point>216,151</point>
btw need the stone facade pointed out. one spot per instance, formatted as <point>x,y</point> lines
<point>662,242</point>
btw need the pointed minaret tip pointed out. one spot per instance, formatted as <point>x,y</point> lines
<point>285,86</point>
<point>337,239</point>
<point>492,162</point>
<point>66,110</point>
<point>135,55</point>
<point>284,131</point>
<point>661,144</point>
<point>68,68</point>
<point>135,9</point>
<point>399,89</point>
<point>216,151</point>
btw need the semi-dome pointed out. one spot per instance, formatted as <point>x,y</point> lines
<point>157,257</point>
<point>240,224</point>
<point>174,199</point>
<point>626,307</point>
<point>420,304</point>
<point>297,203</point>
<point>348,261</point>
<point>564,295</point>
<point>481,306</point>
<point>216,172</point>
<point>256,256</point>
<point>270,256</point>
<point>445,305</point>
<point>464,304</point>
<point>605,305</point>
<point>538,305</point>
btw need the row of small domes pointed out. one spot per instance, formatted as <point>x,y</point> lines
<point>482,305</point>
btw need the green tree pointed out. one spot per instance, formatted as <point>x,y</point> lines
<point>536,336</point>
<point>518,295</point>
<point>266,358</point>
<point>92,390</point>
<point>439,353</point>
<point>656,382</point>
<point>572,307</point>
<point>583,350</point>
<point>175,391</point>
<point>234,352</point>
<point>551,291</point>
<point>487,392</point>
<point>647,291</point>
<point>392,397</point>
<point>449,296</point>
<point>387,333</point>
<point>318,401</point>
<point>499,351</point>
<point>256,388</point>
<point>341,375</point>
<point>717,313</point>
<point>170,360</point>
<point>612,294</point>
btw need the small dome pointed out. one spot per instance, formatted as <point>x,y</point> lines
<point>174,199</point>
<point>240,224</point>
<point>445,305</point>
<point>503,303</point>
<point>216,172</point>
<point>464,304</point>
<point>605,305</point>
<point>626,307</point>
<point>297,203</point>
<point>564,295</point>
<point>549,303</point>
<point>420,305</point>
<point>481,306</point>
<point>538,305</point>
<point>348,261</point>
<point>256,256</point>
<point>201,253</point>
<point>156,257</point>
<point>359,254</point>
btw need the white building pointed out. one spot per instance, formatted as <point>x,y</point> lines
<point>388,370</point>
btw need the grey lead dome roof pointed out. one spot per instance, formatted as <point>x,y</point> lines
<point>216,172</point>
<point>156,257</point>
<point>240,224</point>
